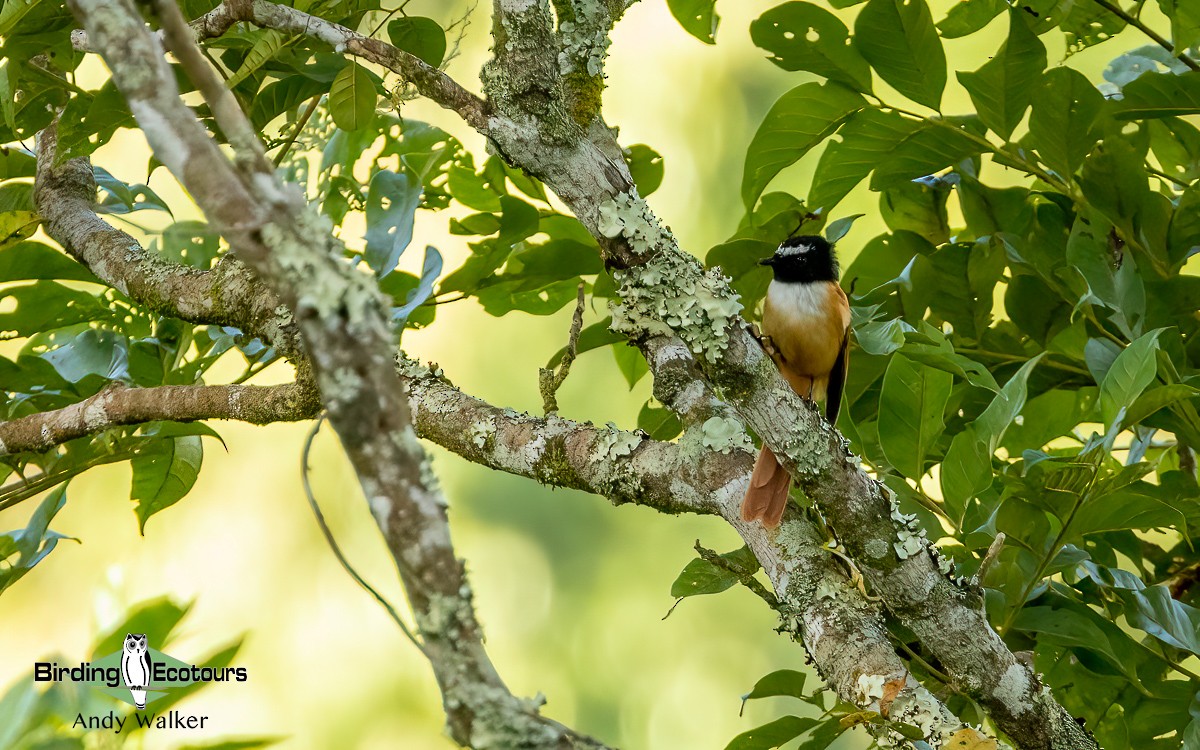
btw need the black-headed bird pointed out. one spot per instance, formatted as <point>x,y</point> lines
<point>805,327</point>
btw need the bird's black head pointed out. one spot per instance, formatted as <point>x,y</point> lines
<point>804,259</point>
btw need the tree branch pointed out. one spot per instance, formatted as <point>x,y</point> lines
<point>65,196</point>
<point>428,80</point>
<point>341,319</point>
<point>117,405</point>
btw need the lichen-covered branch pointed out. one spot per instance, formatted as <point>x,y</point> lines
<point>428,80</point>
<point>341,318</point>
<point>65,195</point>
<point>665,292</point>
<point>118,405</point>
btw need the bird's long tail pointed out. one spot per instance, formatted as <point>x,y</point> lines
<point>767,496</point>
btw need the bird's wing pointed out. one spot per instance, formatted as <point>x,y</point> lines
<point>837,376</point>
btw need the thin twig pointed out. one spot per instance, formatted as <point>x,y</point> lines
<point>304,118</point>
<point>333,545</point>
<point>551,379</point>
<point>1137,23</point>
<point>745,577</point>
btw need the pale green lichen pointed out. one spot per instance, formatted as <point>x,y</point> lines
<point>668,293</point>
<point>581,48</point>
<point>910,537</point>
<point>868,688</point>
<point>724,435</point>
<point>917,707</point>
<point>614,443</point>
<point>480,431</point>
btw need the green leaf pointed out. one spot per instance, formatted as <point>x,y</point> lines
<point>1081,629</point>
<point>392,200</point>
<point>192,243</point>
<point>899,40</point>
<point>631,363</point>
<point>773,734</point>
<point>431,268</point>
<point>163,473</point>
<point>1156,94</point>
<point>282,96</point>
<point>868,137</point>
<point>1158,398</point>
<point>32,544</point>
<point>12,13</point>
<point>918,206</point>
<point>352,98</point>
<point>801,119</point>
<point>1086,24</point>
<point>1065,106</point>
<point>1003,87</point>
<point>781,682</point>
<point>268,44</point>
<point>48,305</point>
<point>930,147</point>
<point>646,168</point>
<point>659,423</point>
<point>33,260</point>
<point>421,37</point>
<point>1131,372</point>
<point>839,228</point>
<point>700,577</point>
<point>160,616</point>
<point>697,17</point>
<point>966,470</point>
<point>968,16</point>
<point>1185,33</point>
<point>911,413</point>
<point>803,36</point>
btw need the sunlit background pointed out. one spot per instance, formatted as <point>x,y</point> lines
<point>571,591</point>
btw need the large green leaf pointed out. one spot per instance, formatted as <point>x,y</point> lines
<point>47,305</point>
<point>697,17</point>
<point>421,37</point>
<point>1064,108</point>
<point>352,98</point>
<point>773,734</point>
<point>968,16</point>
<point>801,119</point>
<point>867,138</point>
<point>27,547</point>
<point>781,682</point>
<point>1185,21</point>
<point>1131,372</point>
<point>702,577</point>
<point>967,469</point>
<point>929,148</point>
<point>268,43</point>
<point>803,36</point>
<point>1156,94</point>
<point>392,200</point>
<point>1003,87</point>
<point>164,472</point>
<point>911,413</point>
<point>899,40</point>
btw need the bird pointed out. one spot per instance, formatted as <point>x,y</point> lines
<point>805,329</point>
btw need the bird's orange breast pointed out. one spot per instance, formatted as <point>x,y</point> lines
<point>806,323</point>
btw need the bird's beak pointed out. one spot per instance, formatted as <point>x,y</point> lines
<point>767,261</point>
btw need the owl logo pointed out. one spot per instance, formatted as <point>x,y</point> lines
<point>135,667</point>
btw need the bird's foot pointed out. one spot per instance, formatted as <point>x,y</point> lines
<point>764,340</point>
